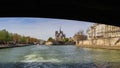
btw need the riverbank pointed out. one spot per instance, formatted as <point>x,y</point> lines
<point>100,47</point>
<point>12,46</point>
<point>104,43</point>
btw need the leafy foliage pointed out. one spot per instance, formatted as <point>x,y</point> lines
<point>6,37</point>
<point>66,39</point>
<point>50,39</point>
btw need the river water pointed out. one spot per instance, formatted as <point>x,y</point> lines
<point>58,54</point>
<point>62,54</point>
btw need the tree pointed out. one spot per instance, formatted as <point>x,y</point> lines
<point>4,36</point>
<point>28,39</point>
<point>16,37</point>
<point>79,36</point>
<point>50,39</point>
<point>10,37</point>
<point>66,39</point>
<point>23,39</point>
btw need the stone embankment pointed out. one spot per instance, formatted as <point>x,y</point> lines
<point>107,43</point>
<point>11,46</point>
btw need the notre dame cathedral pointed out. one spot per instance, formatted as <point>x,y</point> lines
<point>59,35</point>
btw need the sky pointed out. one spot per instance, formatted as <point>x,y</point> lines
<point>43,28</point>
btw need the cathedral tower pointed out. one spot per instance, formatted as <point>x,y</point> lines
<point>59,35</point>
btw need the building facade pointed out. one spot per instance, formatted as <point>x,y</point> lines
<point>102,31</point>
<point>79,36</point>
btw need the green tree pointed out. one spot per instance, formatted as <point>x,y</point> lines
<point>10,38</point>
<point>66,39</point>
<point>4,36</point>
<point>23,39</point>
<point>16,37</point>
<point>50,39</point>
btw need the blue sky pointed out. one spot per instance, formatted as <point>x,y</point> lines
<point>42,28</point>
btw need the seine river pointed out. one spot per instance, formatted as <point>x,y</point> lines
<point>58,54</point>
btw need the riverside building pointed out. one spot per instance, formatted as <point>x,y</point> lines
<point>103,31</point>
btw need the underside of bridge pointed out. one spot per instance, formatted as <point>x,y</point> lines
<point>106,12</point>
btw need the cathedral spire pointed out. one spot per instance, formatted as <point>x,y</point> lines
<point>60,28</point>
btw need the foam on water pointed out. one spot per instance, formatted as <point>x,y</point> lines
<point>35,58</point>
<point>40,47</point>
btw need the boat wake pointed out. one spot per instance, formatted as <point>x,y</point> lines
<point>35,58</point>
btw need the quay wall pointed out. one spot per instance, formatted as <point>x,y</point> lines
<point>100,43</point>
<point>12,46</point>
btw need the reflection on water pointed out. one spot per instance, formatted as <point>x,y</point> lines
<point>61,54</point>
